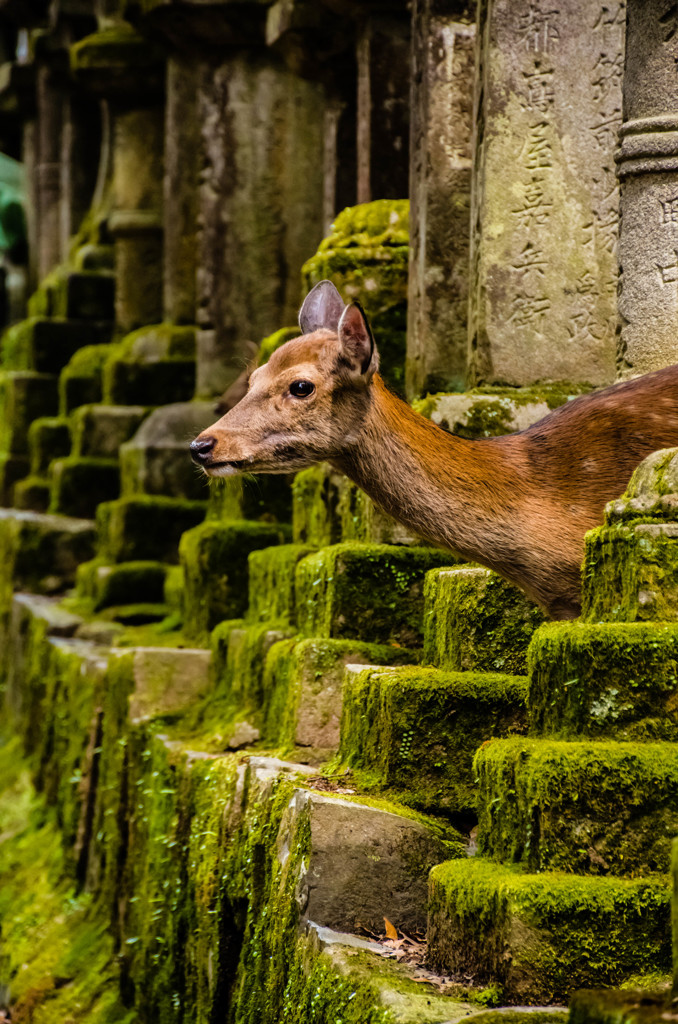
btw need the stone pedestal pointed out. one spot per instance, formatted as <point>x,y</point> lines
<point>544,214</point>
<point>440,185</point>
<point>648,171</point>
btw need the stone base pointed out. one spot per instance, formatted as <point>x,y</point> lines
<point>596,808</point>
<point>415,730</point>
<point>539,937</point>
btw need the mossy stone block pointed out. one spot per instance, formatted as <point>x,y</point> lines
<point>78,485</point>
<point>42,552</point>
<point>475,620</point>
<point>365,592</point>
<point>416,730</point>
<point>46,346</point>
<point>366,256</point>
<point>24,396</point>
<point>540,936</point>
<point>265,498</point>
<point>240,650</point>
<point>49,437</point>
<point>616,680</point>
<point>12,469</point>
<point>156,459</point>
<point>152,366</point>
<point>622,1006</point>
<point>123,584</point>
<point>214,556</point>
<point>271,582</point>
<point>303,688</point>
<point>99,430</point>
<point>591,808</point>
<point>173,595</point>
<point>362,520</point>
<point>316,513</point>
<point>162,682</point>
<point>33,492</point>
<point>494,411</point>
<point>80,381</point>
<point>142,528</point>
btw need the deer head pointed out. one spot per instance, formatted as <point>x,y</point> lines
<point>307,403</point>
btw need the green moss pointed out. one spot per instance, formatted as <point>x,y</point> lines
<point>271,582</point>
<point>274,341</point>
<point>78,485</point>
<point>24,396</point>
<point>365,592</point>
<point>611,679</point>
<point>598,808</point>
<point>145,527</point>
<point>474,619</point>
<point>267,499</point>
<point>316,513</point>
<point>239,653</point>
<point>620,1007</point>
<point>126,583</point>
<point>539,936</point>
<point>214,557</point>
<point>48,438</point>
<point>415,730</point>
<point>32,492</point>
<point>151,366</point>
<point>80,382</point>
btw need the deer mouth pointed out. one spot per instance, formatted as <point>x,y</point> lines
<point>225,467</point>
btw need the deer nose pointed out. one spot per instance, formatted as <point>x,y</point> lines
<point>200,449</point>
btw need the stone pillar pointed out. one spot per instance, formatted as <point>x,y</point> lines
<point>48,171</point>
<point>545,198</point>
<point>383,58</point>
<point>648,171</point>
<point>180,199</point>
<point>261,206</point>
<point>440,187</point>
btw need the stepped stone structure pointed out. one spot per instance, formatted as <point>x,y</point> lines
<point>265,756</point>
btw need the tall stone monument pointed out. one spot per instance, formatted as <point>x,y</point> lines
<point>648,171</point>
<point>545,203</point>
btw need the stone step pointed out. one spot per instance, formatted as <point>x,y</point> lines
<point>372,592</point>
<point>49,438</point>
<point>24,396</point>
<point>152,366</point>
<point>80,381</point>
<point>587,807</point>
<point>33,492</point>
<point>272,574</point>
<point>475,620</point>
<point>415,730</point>
<point>78,485</point>
<point>214,557</point>
<point>42,552</point>
<point>99,430</point>
<point>160,681</point>
<point>540,936</point>
<point>156,460</point>
<point>266,497</point>
<point>46,345</point>
<point>145,528</point>
<point>79,295</point>
<point>123,584</point>
<point>616,680</point>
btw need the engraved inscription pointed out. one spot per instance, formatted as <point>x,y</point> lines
<point>535,206</point>
<point>538,28</point>
<point>668,272</point>
<point>537,151</point>
<point>607,75</point>
<point>538,92</point>
<point>530,265</point>
<point>669,22</point>
<point>529,310</point>
<point>669,210</point>
<point>611,14</point>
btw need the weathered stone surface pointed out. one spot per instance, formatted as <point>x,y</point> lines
<point>80,382</point>
<point>365,863</point>
<point>440,193</point>
<point>163,681</point>
<point>545,209</point>
<point>623,1006</point>
<point>156,460</point>
<point>33,492</point>
<point>42,552</point>
<point>365,592</point>
<point>48,438</point>
<point>259,216</point>
<point>145,527</point>
<point>99,430</point>
<point>478,415</point>
<point>271,582</point>
<point>240,651</point>
<point>24,396</point>
<point>79,485</point>
<point>266,497</point>
<point>47,345</point>
<point>540,936</point>
<point>592,808</point>
<point>475,620</point>
<point>125,583</point>
<point>648,165</point>
<point>316,519</point>
<point>415,730</point>
<point>152,366</point>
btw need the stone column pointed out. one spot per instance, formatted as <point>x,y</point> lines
<point>48,171</point>
<point>648,171</point>
<point>261,206</point>
<point>440,187</point>
<point>383,59</point>
<point>545,202</point>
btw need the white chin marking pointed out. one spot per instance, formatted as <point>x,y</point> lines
<point>222,471</point>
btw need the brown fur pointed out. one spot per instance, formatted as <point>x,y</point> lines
<point>519,504</point>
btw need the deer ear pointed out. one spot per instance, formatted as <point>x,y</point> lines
<point>358,351</point>
<point>322,307</point>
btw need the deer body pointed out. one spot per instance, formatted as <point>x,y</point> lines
<point>519,504</point>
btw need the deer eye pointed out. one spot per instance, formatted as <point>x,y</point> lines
<point>301,388</point>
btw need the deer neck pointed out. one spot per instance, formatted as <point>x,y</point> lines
<point>457,493</point>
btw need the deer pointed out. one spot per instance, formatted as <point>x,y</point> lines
<point>519,504</point>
